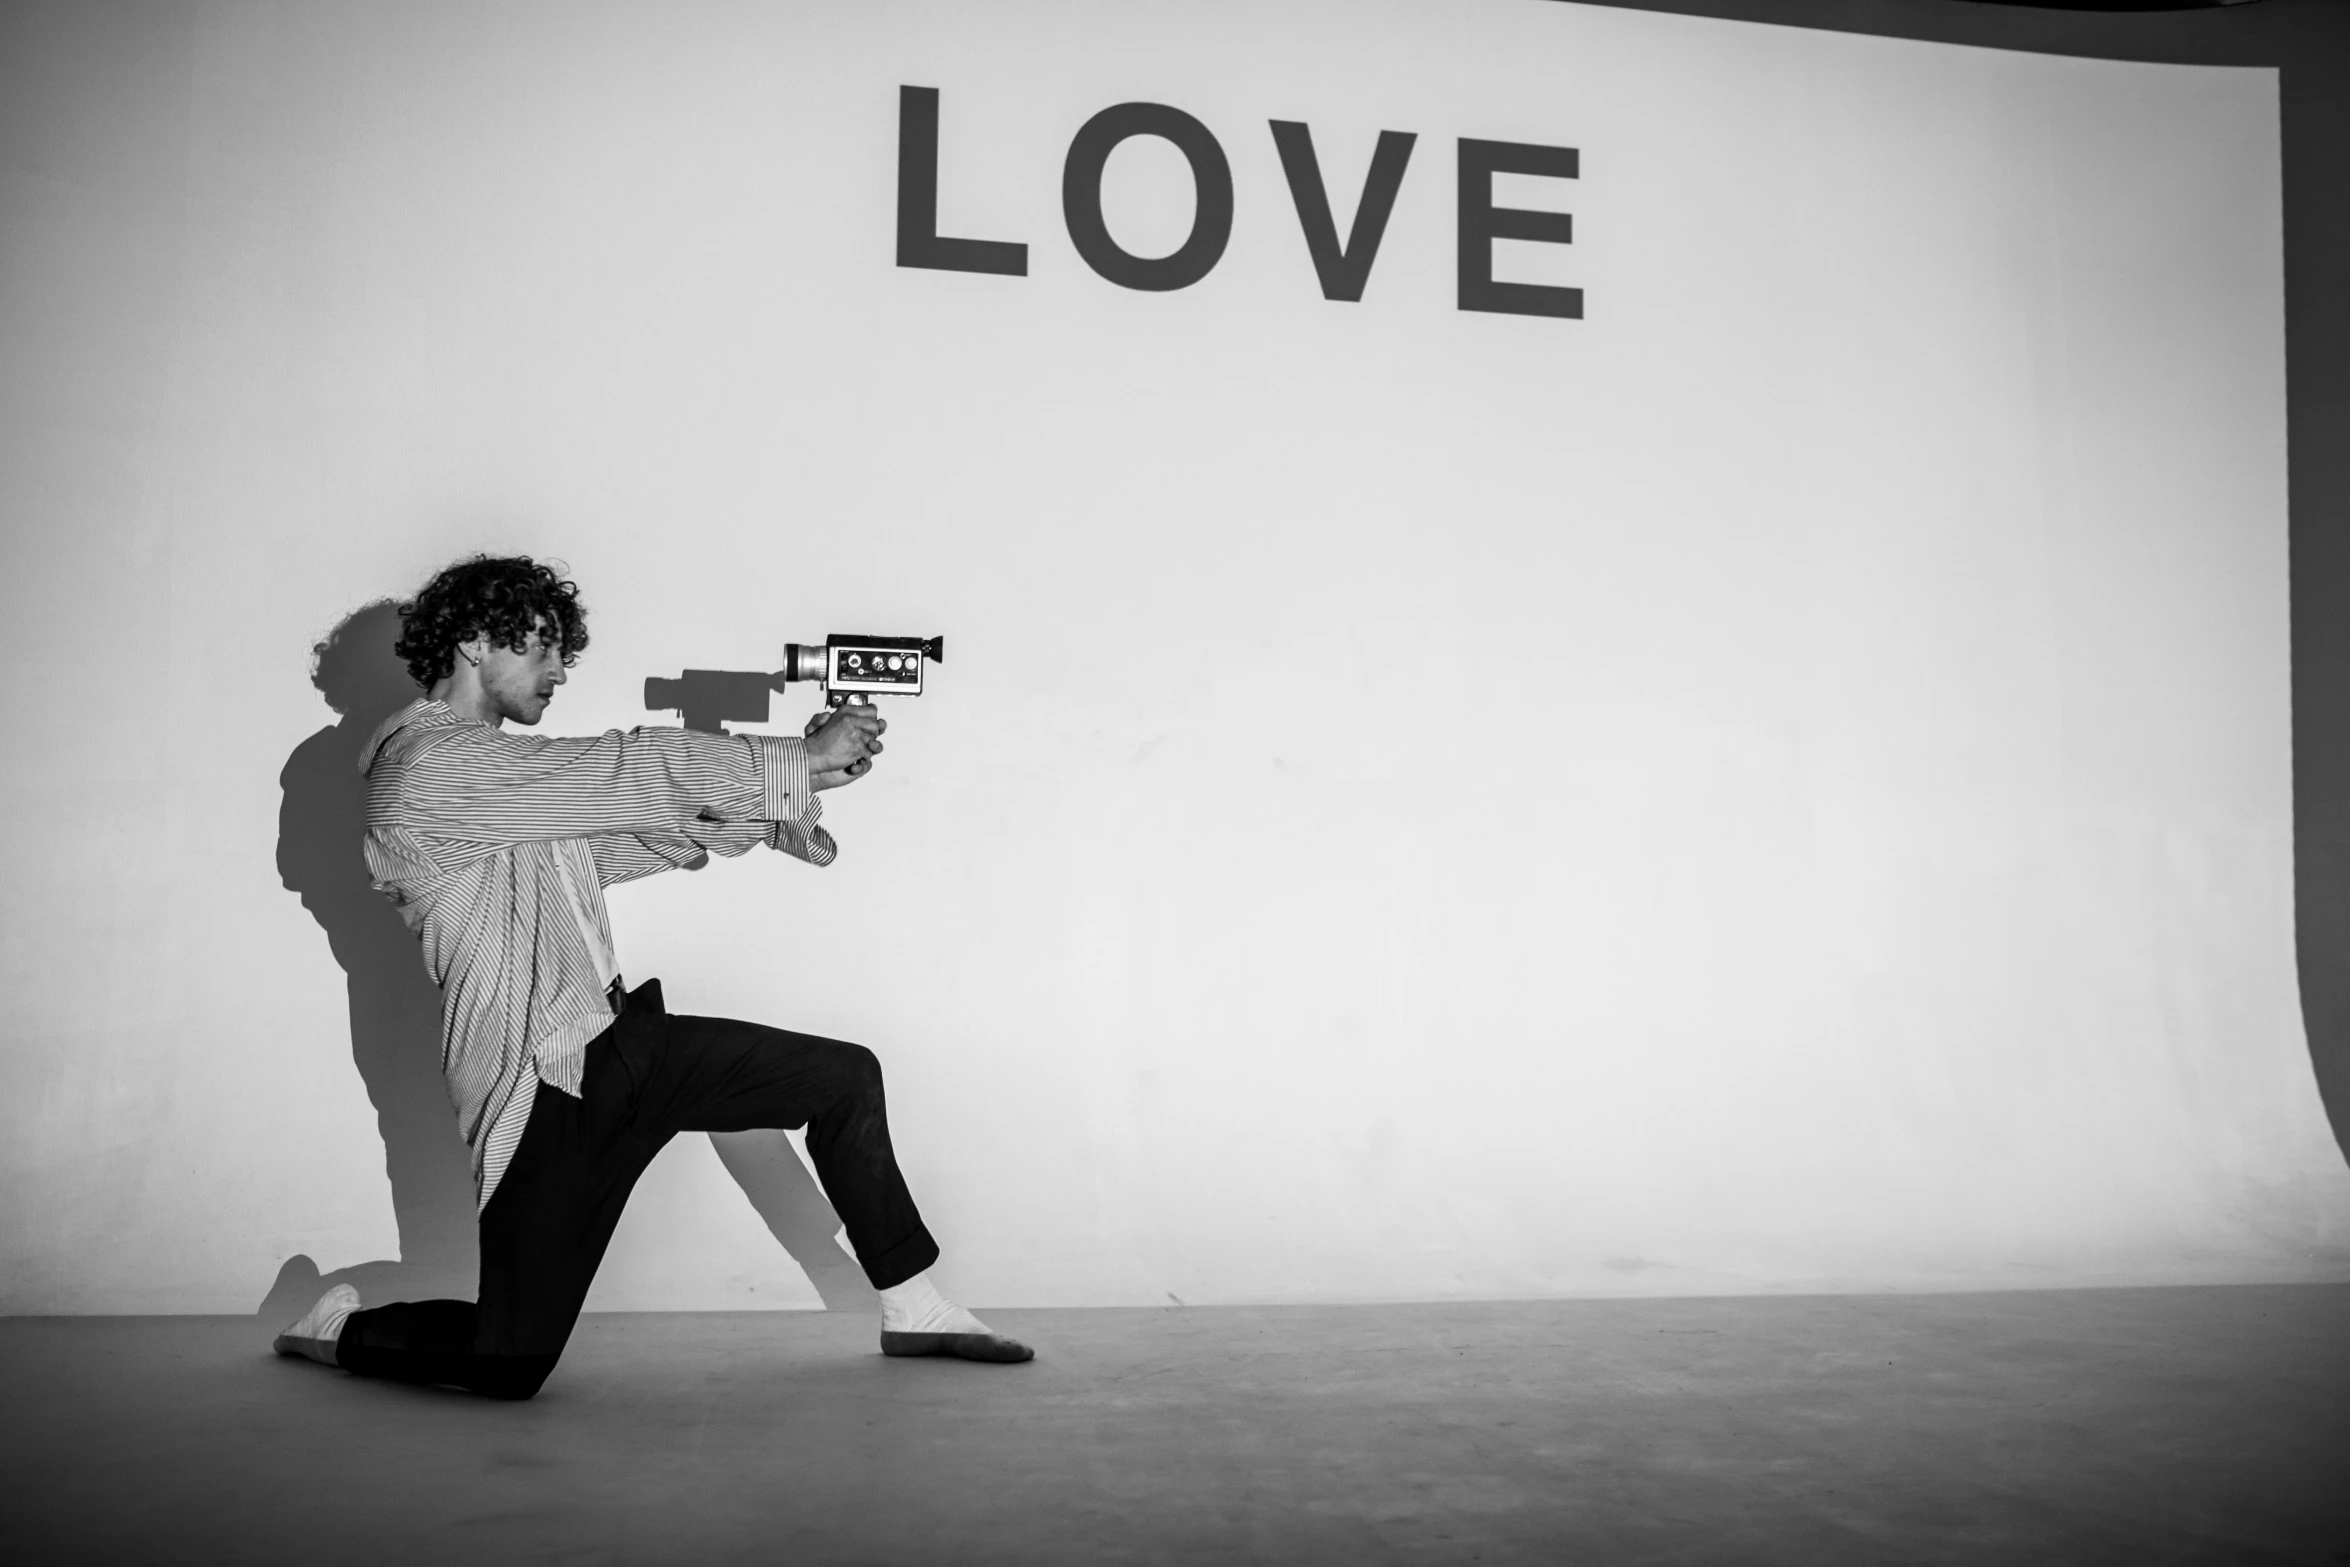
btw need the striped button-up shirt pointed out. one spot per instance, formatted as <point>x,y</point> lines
<point>496,848</point>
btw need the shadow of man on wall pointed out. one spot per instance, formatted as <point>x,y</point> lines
<point>395,1008</point>
<point>395,1021</point>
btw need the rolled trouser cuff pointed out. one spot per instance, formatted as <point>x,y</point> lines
<point>900,1262</point>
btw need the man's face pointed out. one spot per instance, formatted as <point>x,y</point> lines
<point>520,685</point>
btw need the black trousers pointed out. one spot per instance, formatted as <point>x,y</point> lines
<point>646,1078</point>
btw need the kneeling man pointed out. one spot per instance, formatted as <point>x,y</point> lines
<point>496,847</point>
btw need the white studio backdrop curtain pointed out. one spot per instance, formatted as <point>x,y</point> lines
<point>1779,783</point>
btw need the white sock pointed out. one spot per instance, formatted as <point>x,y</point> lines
<point>916,1306</point>
<point>314,1336</point>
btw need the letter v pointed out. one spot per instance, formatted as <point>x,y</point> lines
<point>1343,272</point>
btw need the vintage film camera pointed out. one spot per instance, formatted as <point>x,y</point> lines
<point>850,669</point>
<point>861,668</point>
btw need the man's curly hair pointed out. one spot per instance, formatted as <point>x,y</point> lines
<point>502,597</point>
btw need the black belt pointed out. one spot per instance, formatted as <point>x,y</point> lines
<point>645,998</point>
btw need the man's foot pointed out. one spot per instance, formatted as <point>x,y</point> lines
<point>917,1320</point>
<point>314,1336</point>
<point>982,1345</point>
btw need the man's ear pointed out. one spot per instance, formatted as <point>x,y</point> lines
<point>474,649</point>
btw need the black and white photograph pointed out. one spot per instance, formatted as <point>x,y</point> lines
<point>1034,782</point>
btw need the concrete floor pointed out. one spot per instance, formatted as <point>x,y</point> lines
<point>2122,1426</point>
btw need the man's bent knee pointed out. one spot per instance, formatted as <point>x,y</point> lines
<point>514,1377</point>
<point>854,1071</point>
<point>856,1081</point>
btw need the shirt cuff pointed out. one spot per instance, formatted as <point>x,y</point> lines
<point>803,841</point>
<point>785,794</point>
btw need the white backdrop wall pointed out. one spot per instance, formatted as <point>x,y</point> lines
<point>1780,783</point>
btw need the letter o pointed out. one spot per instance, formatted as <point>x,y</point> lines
<point>1081,197</point>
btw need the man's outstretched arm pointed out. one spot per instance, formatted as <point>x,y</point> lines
<point>488,787</point>
<point>628,857</point>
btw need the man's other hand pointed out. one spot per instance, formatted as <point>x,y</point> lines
<point>842,744</point>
